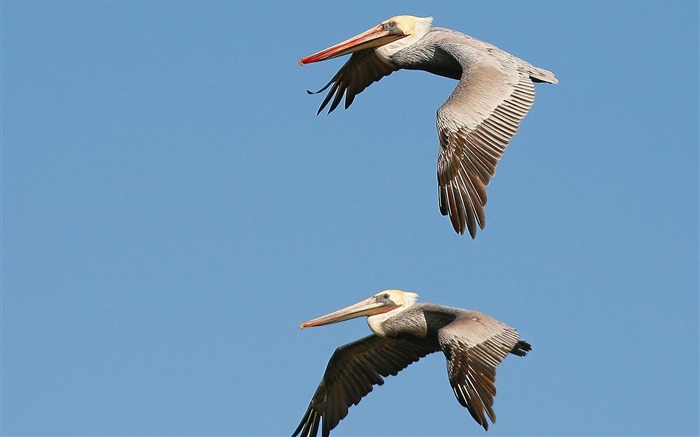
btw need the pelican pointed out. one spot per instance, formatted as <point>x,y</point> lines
<point>403,332</point>
<point>475,124</point>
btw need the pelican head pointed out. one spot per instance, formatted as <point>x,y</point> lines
<point>385,303</point>
<point>388,37</point>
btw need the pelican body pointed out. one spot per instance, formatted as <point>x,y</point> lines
<point>475,124</point>
<point>404,331</point>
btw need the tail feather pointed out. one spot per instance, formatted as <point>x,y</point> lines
<point>521,348</point>
<point>542,75</point>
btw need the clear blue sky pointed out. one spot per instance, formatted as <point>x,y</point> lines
<point>173,208</point>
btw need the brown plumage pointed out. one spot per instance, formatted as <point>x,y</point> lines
<point>495,92</point>
<point>473,343</point>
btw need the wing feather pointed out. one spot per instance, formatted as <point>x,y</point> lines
<point>474,127</point>
<point>474,345</point>
<point>360,71</point>
<point>351,372</point>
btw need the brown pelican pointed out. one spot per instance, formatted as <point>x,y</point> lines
<point>475,124</point>
<point>405,331</point>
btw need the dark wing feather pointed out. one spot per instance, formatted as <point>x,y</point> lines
<point>474,127</point>
<point>474,345</point>
<point>362,69</point>
<point>351,372</point>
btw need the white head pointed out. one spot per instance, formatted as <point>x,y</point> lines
<point>414,28</point>
<point>397,300</point>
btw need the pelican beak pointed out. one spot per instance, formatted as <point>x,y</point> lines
<point>374,37</point>
<point>367,307</point>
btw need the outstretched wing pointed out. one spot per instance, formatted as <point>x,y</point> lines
<point>362,69</point>
<point>474,127</point>
<point>474,345</point>
<point>351,372</point>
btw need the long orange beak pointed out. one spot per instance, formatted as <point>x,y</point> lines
<point>374,37</point>
<point>367,307</point>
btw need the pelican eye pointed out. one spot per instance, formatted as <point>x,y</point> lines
<point>391,24</point>
<point>385,296</point>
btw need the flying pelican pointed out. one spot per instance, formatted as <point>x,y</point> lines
<point>405,331</point>
<point>475,124</point>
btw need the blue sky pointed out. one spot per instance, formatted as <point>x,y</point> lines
<point>173,208</point>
